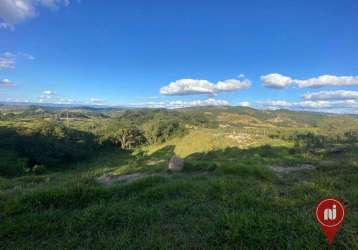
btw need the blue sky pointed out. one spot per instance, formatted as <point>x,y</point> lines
<point>269,54</point>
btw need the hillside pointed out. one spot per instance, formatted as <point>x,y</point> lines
<point>251,178</point>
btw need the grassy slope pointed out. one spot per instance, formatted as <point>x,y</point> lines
<point>237,203</point>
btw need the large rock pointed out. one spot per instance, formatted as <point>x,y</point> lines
<point>176,163</point>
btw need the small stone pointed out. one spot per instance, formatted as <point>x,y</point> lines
<point>176,163</point>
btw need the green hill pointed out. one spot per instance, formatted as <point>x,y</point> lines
<point>251,178</point>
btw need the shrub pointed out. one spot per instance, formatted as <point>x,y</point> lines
<point>11,165</point>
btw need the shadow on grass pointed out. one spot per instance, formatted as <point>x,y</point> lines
<point>223,212</point>
<point>50,145</point>
<point>234,160</point>
<point>155,162</point>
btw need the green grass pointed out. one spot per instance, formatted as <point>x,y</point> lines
<point>225,199</point>
<point>205,140</point>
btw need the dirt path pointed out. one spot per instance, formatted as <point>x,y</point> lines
<point>288,169</point>
<point>110,179</point>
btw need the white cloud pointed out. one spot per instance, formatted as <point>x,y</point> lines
<point>195,87</point>
<point>6,83</point>
<point>150,104</point>
<point>341,104</point>
<point>275,80</point>
<point>232,84</point>
<point>274,104</point>
<point>53,4</point>
<point>328,80</point>
<point>48,93</point>
<point>188,87</point>
<point>13,12</point>
<point>96,101</point>
<point>8,59</point>
<point>244,104</point>
<point>199,103</point>
<point>350,105</point>
<point>183,104</point>
<point>26,56</point>
<point>6,26</point>
<point>332,95</point>
<point>49,96</point>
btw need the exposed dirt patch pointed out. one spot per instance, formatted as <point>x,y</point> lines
<point>241,137</point>
<point>110,179</point>
<point>288,169</point>
<point>153,163</point>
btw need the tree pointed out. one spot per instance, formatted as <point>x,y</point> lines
<point>127,138</point>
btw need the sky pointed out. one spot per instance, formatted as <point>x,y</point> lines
<point>299,55</point>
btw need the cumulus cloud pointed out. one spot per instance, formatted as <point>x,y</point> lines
<point>332,95</point>
<point>6,83</point>
<point>183,104</point>
<point>275,80</point>
<point>199,103</point>
<point>13,12</point>
<point>197,87</point>
<point>350,105</point>
<point>328,80</point>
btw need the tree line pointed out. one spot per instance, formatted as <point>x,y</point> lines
<point>48,143</point>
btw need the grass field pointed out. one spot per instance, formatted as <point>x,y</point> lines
<point>224,199</point>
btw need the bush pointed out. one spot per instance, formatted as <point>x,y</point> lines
<point>309,141</point>
<point>267,151</point>
<point>11,165</point>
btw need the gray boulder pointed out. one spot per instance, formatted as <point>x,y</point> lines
<point>176,163</point>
